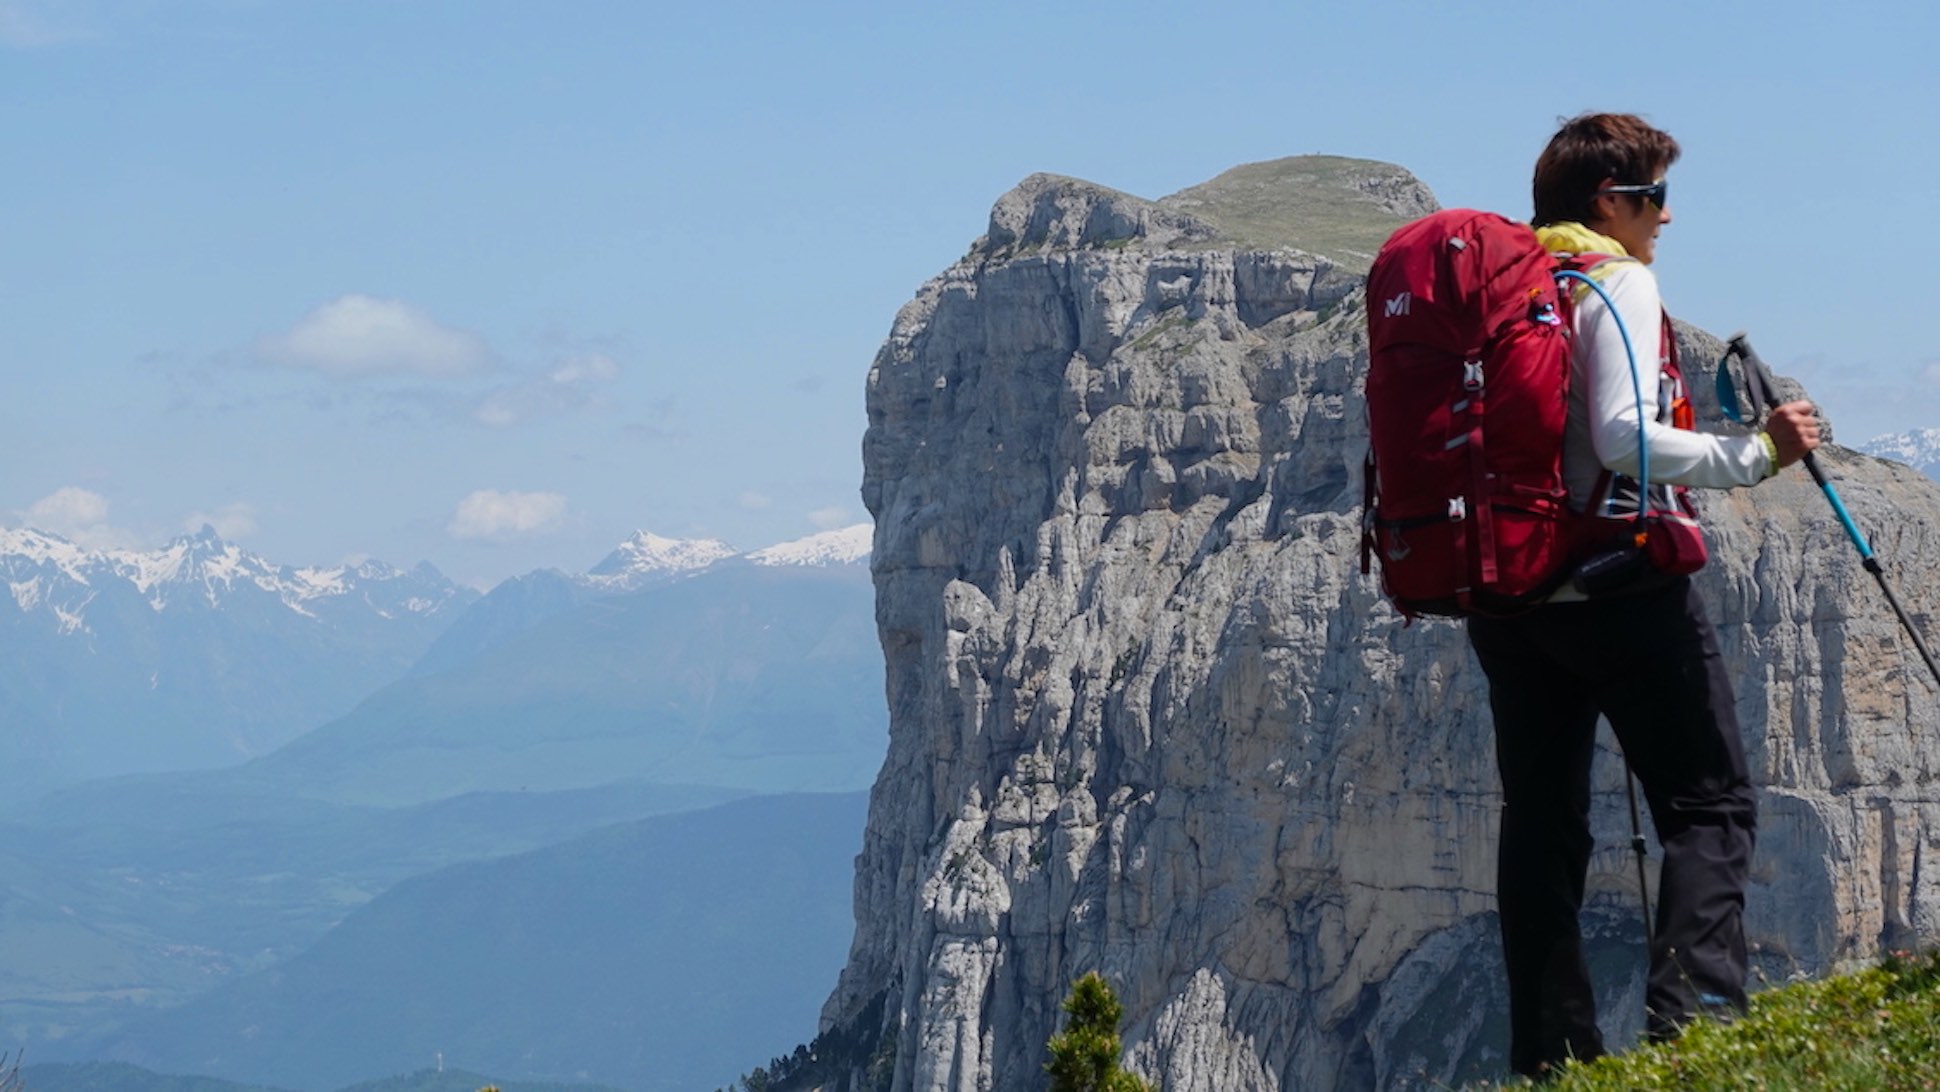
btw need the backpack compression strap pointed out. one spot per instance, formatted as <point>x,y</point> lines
<point>1474,382</point>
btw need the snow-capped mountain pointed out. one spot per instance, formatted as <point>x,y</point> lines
<point>844,547</point>
<point>196,654</point>
<point>643,563</point>
<point>647,559</point>
<point>1919,449</point>
<point>47,573</point>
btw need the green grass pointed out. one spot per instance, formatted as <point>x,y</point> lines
<point>1875,1030</point>
<point>1325,205</point>
<point>1341,209</point>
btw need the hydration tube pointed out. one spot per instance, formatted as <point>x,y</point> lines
<point>1637,844</point>
<point>1636,390</point>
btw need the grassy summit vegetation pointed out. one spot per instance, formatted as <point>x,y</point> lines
<point>1341,208</point>
<point>1874,1031</point>
<point>1338,208</point>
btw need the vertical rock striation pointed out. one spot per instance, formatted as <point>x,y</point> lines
<point>1147,718</point>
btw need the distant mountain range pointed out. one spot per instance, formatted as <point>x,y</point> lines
<point>1919,448</point>
<point>643,561</point>
<point>60,583</point>
<point>752,678</point>
<point>202,654</point>
<point>48,573</point>
<point>198,654</point>
<point>647,559</point>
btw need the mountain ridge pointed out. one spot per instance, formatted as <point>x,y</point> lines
<point>218,569</point>
<point>646,558</point>
<point>204,561</point>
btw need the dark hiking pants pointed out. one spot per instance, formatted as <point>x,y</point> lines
<point>1650,663</point>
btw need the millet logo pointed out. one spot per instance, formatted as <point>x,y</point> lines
<point>1398,305</point>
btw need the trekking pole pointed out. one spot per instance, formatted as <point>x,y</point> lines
<point>1637,846</point>
<point>1758,379</point>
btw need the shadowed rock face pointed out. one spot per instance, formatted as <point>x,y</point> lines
<point>1148,718</point>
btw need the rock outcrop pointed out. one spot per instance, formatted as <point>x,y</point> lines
<point>1148,718</point>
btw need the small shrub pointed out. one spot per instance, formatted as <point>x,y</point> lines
<point>1084,1056</point>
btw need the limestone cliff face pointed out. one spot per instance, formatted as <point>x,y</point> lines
<point>1148,718</point>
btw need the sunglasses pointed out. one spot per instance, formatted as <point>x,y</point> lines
<point>1657,193</point>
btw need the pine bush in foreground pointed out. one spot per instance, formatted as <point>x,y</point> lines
<point>1084,1056</point>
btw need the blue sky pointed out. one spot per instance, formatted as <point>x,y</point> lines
<point>493,283</point>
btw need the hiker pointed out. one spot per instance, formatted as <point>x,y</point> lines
<point>1647,659</point>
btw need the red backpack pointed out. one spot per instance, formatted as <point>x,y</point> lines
<point>1467,393</point>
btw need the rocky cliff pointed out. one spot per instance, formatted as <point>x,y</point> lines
<point>1148,718</point>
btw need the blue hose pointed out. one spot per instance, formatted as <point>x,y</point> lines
<point>1636,388</point>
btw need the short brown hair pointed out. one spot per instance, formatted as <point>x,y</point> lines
<point>1590,148</point>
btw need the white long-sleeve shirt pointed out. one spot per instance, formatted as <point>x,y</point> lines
<point>1601,432</point>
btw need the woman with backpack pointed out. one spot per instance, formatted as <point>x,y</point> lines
<point>1644,657</point>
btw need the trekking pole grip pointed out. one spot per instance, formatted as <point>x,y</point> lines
<point>1758,378</point>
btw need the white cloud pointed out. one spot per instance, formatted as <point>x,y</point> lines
<point>505,408</point>
<point>1933,373</point>
<point>568,385</point>
<point>753,501</point>
<point>356,336</point>
<point>830,519</point>
<point>491,514</point>
<point>584,368</point>
<point>69,506</point>
<point>231,521</point>
<point>78,515</point>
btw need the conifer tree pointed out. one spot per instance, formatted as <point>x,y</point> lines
<point>1084,1056</point>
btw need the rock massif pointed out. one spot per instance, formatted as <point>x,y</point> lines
<point>1148,718</point>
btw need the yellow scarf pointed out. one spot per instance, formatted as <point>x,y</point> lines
<point>1570,237</point>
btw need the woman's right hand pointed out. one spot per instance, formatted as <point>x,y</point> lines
<point>1794,429</point>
